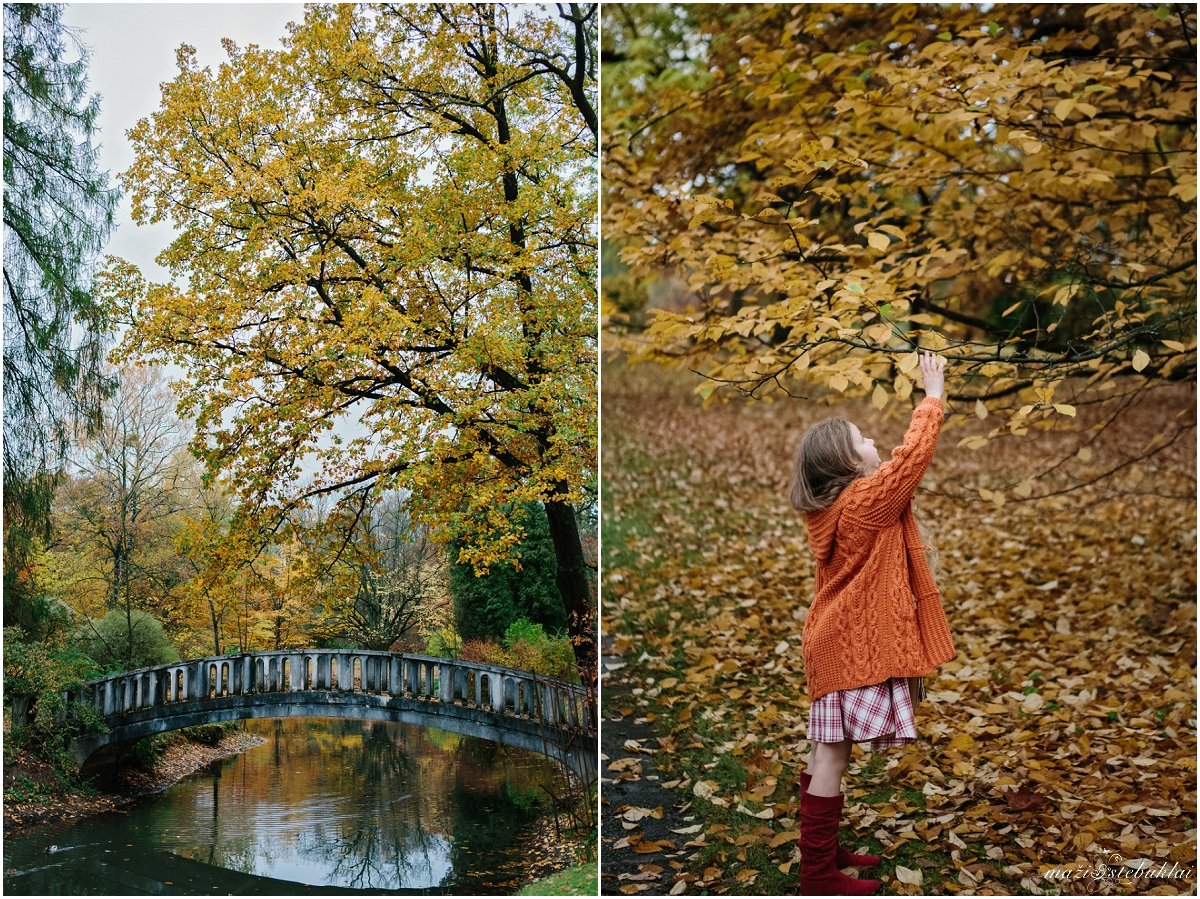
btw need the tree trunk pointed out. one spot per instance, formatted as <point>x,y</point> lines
<point>216,626</point>
<point>573,586</point>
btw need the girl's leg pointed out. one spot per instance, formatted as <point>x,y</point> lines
<point>827,762</point>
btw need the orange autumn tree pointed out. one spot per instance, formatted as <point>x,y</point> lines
<point>386,232</point>
<point>830,187</point>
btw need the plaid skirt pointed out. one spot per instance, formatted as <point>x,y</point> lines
<point>881,714</point>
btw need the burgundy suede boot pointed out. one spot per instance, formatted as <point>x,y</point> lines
<point>844,858</point>
<point>819,876</point>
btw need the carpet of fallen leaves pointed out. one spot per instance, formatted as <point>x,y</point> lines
<point>1058,746</point>
<point>33,795</point>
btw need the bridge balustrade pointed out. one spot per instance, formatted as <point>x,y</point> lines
<point>502,691</point>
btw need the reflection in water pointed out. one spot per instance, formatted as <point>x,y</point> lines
<point>327,803</point>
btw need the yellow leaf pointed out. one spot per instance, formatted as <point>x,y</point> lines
<point>1185,190</point>
<point>1140,360</point>
<point>963,741</point>
<point>879,397</point>
<point>903,387</point>
<point>980,410</point>
<point>909,362</point>
<point>719,266</point>
<point>1063,108</point>
<point>1064,409</point>
<point>878,240</point>
<point>908,875</point>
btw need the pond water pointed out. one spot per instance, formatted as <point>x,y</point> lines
<point>324,806</point>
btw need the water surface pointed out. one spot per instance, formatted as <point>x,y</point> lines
<point>324,806</point>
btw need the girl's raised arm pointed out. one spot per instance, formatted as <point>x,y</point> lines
<point>881,497</point>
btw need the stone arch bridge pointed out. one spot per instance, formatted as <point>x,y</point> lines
<point>515,708</point>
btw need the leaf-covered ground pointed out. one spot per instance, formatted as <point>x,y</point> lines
<point>1060,740</point>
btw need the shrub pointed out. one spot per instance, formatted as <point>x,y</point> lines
<point>527,647</point>
<point>532,649</point>
<point>120,642</point>
<point>488,652</point>
<point>36,675</point>
<point>444,643</point>
<point>524,629</point>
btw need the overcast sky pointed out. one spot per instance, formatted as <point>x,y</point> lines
<point>132,52</point>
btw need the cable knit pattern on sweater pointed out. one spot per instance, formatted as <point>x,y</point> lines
<point>877,613</point>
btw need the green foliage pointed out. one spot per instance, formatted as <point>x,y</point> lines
<point>122,641</point>
<point>487,605</point>
<point>524,629</point>
<point>530,648</point>
<point>39,615</point>
<point>579,880</point>
<point>444,643</point>
<point>36,675</point>
<point>34,668</point>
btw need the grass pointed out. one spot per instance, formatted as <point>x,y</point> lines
<point>580,880</point>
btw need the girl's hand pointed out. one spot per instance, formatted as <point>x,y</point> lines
<point>933,371</point>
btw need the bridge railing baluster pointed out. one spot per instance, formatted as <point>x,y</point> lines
<point>396,676</point>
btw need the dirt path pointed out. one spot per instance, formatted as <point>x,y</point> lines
<point>637,811</point>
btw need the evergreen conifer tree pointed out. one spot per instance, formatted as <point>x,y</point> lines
<point>58,214</point>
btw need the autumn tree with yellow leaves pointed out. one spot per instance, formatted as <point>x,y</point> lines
<point>386,237</point>
<point>825,188</point>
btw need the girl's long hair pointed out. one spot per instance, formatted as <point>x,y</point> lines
<point>932,557</point>
<point>825,464</point>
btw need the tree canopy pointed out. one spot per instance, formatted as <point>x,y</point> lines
<point>827,188</point>
<point>387,235</point>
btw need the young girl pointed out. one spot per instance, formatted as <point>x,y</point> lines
<point>876,625</point>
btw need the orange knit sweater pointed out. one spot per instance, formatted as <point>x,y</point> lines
<point>877,612</point>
